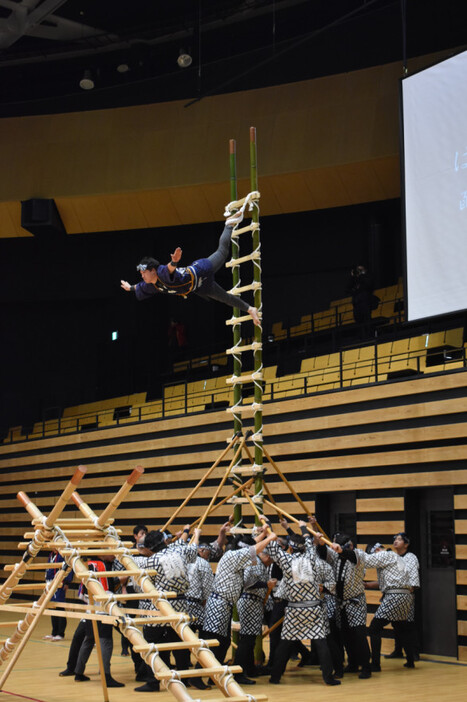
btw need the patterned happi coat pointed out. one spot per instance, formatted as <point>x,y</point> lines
<point>397,575</point>
<point>350,590</point>
<point>305,614</point>
<point>250,606</point>
<point>227,588</point>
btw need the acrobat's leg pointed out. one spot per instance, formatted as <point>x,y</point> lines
<point>219,257</point>
<point>217,293</point>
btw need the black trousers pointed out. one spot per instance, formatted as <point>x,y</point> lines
<point>245,653</point>
<point>356,643</point>
<point>224,643</point>
<point>284,649</point>
<point>77,640</point>
<point>58,624</point>
<point>277,612</point>
<point>403,629</point>
<point>163,634</point>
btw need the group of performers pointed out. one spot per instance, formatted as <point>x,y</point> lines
<point>301,588</point>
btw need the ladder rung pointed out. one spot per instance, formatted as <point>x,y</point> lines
<point>200,672</point>
<point>29,586</point>
<point>255,346</point>
<point>233,321</point>
<point>100,552</point>
<point>255,285</point>
<point>83,544</point>
<point>247,470</point>
<point>241,530</point>
<point>238,409</point>
<point>135,595</point>
<point>236,379</point>
<point>234,500</point>
<point>236,204</point>
<point>163,620</point>
<point>243,259</point>
<point>176,645</point>
<point>243,230</point>
<point>76,532</point>
<point>119,573</point>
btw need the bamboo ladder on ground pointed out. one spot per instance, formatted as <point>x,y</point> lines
<point>91,535</point>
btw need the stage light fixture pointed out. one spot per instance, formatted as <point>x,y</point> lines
<point>184,59</point>
<point>86,82</point>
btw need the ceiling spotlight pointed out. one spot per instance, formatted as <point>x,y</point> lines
<point>86,82</point>
<point>184,60</point>
<point>123,68</point>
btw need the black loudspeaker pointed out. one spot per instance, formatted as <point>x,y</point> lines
<point>41,218</point>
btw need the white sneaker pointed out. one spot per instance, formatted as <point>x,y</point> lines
<point>234,219</point>
<point>57,638</point>
<point>49,637</point>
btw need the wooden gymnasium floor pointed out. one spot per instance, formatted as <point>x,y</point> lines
<point>36,678</point>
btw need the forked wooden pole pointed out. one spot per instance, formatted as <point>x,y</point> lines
<point>290,486</point>
<point>224,500</point>
<point>293,519</point>
<point>203,480</point>
<point>222,482</point>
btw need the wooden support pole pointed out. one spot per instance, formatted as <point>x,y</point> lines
<point>100,660</point>
<point>290,486</point>
<point>222,483</point>
<point>293,519</point>
<point>224,500</point>
<point>234,439</point>
<point>274,626</point>
<point>16,643</point>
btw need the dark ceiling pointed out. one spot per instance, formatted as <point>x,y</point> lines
<point>46,45</point>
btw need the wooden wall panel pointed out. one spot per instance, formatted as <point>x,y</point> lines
<point>149,165</point>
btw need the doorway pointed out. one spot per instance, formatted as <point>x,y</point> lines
<point>430,524</point>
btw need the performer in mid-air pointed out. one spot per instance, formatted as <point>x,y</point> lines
<point>197,277</point>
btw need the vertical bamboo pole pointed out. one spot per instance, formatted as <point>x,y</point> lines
<point>258,354</point>
<point>237,328</point>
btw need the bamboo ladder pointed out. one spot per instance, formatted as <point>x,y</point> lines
<point>238,349</point>
<point>93,535</point>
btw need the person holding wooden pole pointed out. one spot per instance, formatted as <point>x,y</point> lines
<point>304,615</point>
<point>228,585</point>
<point>171,564</point>
<point>250,607</point>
